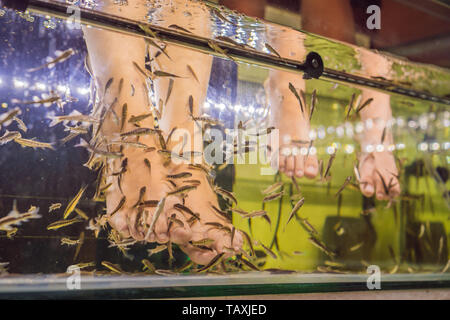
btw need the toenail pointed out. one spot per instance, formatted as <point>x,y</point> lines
<point>311,169</point>
<point>299,172</point>
<point>369,188</point>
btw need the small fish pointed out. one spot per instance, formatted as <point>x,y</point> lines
<point>212,263</point>
<point>120,86</point>
<point>294,91</point>
<point>226,194</point>
<point>444,270</point>
<point>9,136</point>
<point>249,241</point>
<point>157,249</point>
<point>365,104</point>
<point>108,85</point>
<point>54,206</point>
<point>173,218</point>
<point>179,175</point>
<point>192,72</point>
<point>113,267</point>
<point>350,106</point>
<point>133,90</point>
<point>160,73</point>
<point>33,143</point>
<point>182,190</point>
<point>6,117</point>
<point>62,57</point>
<point>139,118</point>
<point>14,217</point>
<point>156,215</point>
<point>129,144</point>
<point>221,17</point>
<point>233,232</point>
<point>20,124</point>
<point>148,165</point>
<point>346,182</point>
<point>124,116</point>
<point>119,206</point>
<point>385,186</point>
<point>321,246</point>
<point>63,223</point>
<point>185,267</point>
<point>144,73</point>
<point>357,174</point>
<point>141,196</point>
<point>80,242</point>
<point>330,163</point>
<point>77,117</point>
<point>356,246</point>
<point>270,252</point>
<point>441,246</point>
<point>313,103</point>
<point>148,266</point>
<point>383,135</point>
<point>169,90</point>
<point>69,241</point>
<point>248,263</point>
<point>81,265</point>
<point>272,50</point>
<point>185,209</point>
<point>213,45</point>
<point>272,188</point>
<point>296,207</point>
<point>81,213</point>
<point>166,273</point>
<point>150,32</point>
<point>73,203</point>
<point>274,196</point>
<point>221,213</point>
<point>174,26</point>
<point>202,242</point>
<point>139,132</point>
<point>321,169</point>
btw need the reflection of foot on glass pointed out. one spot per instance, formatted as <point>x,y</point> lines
<point>334,19</point>
<point>146,171</point>
<point>294,154</point>
<point>378,169</point>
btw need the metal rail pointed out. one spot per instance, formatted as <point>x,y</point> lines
<point>312,67</point>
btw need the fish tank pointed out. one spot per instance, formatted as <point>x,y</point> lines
<point>177,148</point>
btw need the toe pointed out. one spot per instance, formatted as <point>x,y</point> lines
<point>299,166</point>
<point>366,170</point>
<point>180,234</point>
<point>311,167</point>
<point>290,166</point>
<point>135,232</point>
<point>281,164</point>
<point>119,222</point>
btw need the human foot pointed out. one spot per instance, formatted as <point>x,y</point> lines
<point>377,168</point>
<point>294,154</point>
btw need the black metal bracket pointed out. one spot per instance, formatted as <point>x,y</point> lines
<point>20,5</point>
<point>313,66</point>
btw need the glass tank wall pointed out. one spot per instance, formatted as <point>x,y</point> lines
<point>176,148</point>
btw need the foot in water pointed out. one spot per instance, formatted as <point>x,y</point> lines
<point>377,167</point>
<point>293,156</point>
<point>140,178</point>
